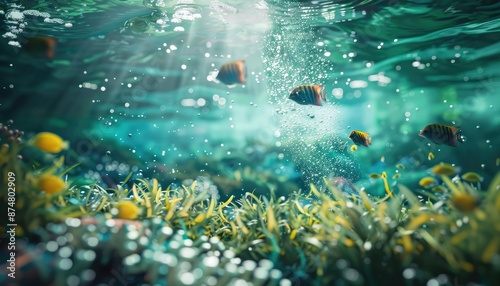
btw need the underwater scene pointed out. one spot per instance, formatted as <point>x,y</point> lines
<point>249,142</point>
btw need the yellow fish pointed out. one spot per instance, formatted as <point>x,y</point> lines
<point>360,138</point>
<point>472,177</point>
<point>51,184</point>
<point>127,210</point>
<point>444,169</point>
<point>49,142</point>
<point>427,182</point>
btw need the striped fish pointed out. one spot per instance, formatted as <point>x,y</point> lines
<point>360,138</point>
<point>308,94</point>
<point>443,134</point>
<point>232,73</point>
<point>41,46</point>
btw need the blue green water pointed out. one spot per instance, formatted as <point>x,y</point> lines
<point>130,85</point>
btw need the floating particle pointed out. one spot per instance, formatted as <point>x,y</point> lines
<point>354,148</point>
<point>374,176</point>
<point>400,166</point>
<point>430,156</point>
<point>396,176</point>
<point>382,159</point>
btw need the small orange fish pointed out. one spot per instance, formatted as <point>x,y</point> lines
<point>308,94</point>
<point>41,46</point>
<point>443,134</point>
<point>232,73</point>
<point>360,138</point>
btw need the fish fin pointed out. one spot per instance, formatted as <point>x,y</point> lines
<point>317,92</point>
<point>369,141</point>
<point>322,92</point>
<point>50,53</point>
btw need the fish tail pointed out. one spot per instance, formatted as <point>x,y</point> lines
<point>318,92</point>
<point>369,141</point>
<point>242,71</point>
<point>323,93</point>
<point>50,53</point>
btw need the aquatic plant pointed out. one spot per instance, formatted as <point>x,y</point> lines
<point>173,234</point>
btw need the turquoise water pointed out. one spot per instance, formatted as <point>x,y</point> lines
<point>131,86</point>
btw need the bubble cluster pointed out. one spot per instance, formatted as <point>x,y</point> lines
<point>148,252</point>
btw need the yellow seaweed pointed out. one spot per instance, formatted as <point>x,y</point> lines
<point>271,220</point>
<point>366,201</point>
<point>172,209</point>
<point>242,226</point>
<point>490,250</point>
<point>407,244</point>
<point>386,185</point>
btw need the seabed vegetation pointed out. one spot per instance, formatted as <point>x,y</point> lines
<point>74,233</point>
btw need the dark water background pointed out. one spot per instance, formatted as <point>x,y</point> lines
<point>130,84</point>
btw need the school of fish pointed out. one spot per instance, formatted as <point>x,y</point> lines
<point>235,72</point>
<point>315,94</point>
